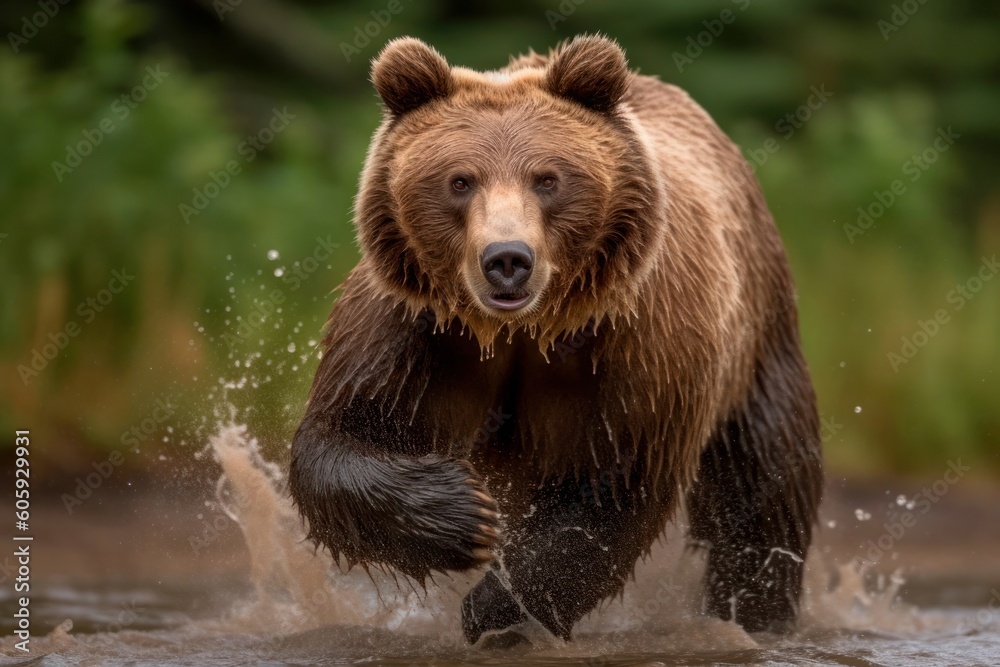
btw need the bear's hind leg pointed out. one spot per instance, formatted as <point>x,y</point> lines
<point>575,548</point>
<point>755,501</point>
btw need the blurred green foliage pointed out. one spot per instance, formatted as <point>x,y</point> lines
<point>208,302</point>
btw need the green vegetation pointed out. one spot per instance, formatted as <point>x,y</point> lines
<point>178,185</point>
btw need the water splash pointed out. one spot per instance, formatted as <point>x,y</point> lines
<point>299,588</point>
<point>305,609</point>
<point>292,581</point>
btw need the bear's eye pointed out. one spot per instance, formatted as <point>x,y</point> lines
<point>547,182</point>
<point>460,185</point>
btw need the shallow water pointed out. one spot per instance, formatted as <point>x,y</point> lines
<point>286,606</point>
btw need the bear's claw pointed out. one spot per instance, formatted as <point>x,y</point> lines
<point>488,531</point>
<point>455,531</point>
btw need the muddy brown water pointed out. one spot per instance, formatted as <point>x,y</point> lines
<point>225,579</point>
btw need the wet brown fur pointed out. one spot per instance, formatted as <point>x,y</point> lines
<point>664,346</point>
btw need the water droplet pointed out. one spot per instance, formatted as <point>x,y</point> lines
<point>291,347</point>
<point>278,272</point>
<point>272,255</point>
<point>862,515</point>
<point>901,500</point>
<point>857,409</point>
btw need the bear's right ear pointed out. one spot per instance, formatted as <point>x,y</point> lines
<point>590,70</point>
<point>408,74</point>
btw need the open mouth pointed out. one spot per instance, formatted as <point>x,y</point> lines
<point>508,301</point>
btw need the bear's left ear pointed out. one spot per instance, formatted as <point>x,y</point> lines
<point>591,70</point>
<point>408,74</point>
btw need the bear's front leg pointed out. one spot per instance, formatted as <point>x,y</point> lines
<point>576,547</point>
<point>413,513</point>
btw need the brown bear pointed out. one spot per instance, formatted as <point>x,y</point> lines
<point>572,313</point>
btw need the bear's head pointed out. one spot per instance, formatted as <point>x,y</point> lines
<point>519,198</point>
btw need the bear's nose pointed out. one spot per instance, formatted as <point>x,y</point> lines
<point>507,265</point>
